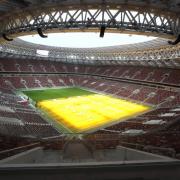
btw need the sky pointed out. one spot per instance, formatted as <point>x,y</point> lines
<point>85,39</point>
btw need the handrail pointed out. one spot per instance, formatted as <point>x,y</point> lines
<point>18,148</point>
<point>151,148</point>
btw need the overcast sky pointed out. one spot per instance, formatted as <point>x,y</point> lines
<point>85,40</point>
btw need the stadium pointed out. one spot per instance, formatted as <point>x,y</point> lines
<point>91,111</point>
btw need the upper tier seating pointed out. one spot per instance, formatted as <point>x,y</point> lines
<point>147,74</point>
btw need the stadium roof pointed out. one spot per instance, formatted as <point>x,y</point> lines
<point>158,17</point>
<point>152,18</point>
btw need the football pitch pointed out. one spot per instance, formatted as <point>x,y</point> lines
<point>80,110</point>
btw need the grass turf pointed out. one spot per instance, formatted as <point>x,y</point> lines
<point>84,113</point>
<point>46,94</point>
<point>78,110</point>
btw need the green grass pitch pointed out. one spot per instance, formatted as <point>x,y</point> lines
<point>75,110</point>
<point>45,94</point>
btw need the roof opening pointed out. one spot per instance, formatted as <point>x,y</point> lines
<point>85,39</point>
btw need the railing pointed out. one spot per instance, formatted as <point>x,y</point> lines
<point>152,149</point>
<point>13,151</point>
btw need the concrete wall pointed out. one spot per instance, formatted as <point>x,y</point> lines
<point>26,166</point>
<point>120,155</point>
<point>150,171</point>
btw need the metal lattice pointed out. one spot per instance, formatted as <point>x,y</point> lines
<point>92,19</point>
